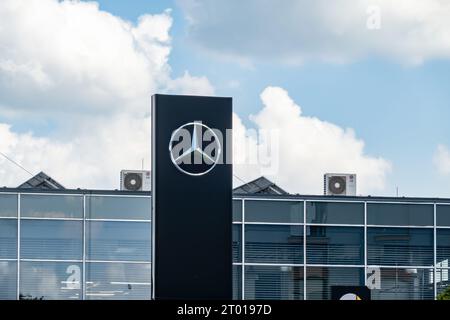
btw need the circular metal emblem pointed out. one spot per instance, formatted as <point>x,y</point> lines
<point>350,296</point>
<point>190,159</point>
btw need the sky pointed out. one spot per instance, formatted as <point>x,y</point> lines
<point>351,86</point>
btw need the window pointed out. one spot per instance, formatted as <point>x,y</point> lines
<point>237,243</point>
<point>405,284</point>
<point>442,280</point>
<point>274,244</point>
<point>51,206</point>
<point>400,246</point>
<point>237,282</point>
<point>8,280</point>
<point>237,210</point>
<point>335,212</point>
<point>118,241</point>
<point>443,215</point>
<point>8,205</point>
<point>273,282</point>
<point>8,239</point>
<point>50,281</point>
<point>104,207</point>
<point>400,214</point>
<point>274,211</point>
<point>442,247</point>
<point>51,239</point>
<point>118,281</point>
<point>319,280</point>
<point>335,245</point>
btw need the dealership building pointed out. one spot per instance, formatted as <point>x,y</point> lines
<point>57,243</point>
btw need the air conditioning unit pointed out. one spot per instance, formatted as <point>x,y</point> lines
<point>336,184</point>
<point>135,180</point>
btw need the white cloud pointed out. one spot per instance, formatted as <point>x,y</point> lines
<point>93,157</point>
<point>442,159</point>
<point>292,31</point>
<point>308,148</point>
<point>90,74</point>
<point>188,84</point>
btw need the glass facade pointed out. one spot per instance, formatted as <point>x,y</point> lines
<point>93,246</point>
<point>73,247</point>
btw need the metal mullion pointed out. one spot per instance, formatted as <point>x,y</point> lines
<point>304,250</point>
<point>321,265</point>
<point>345,225</point>
<point>52,260</point>
<point>52,219</point>
<point>243,251</point>
<point>268,264</point>
<point>399,267</point>
<point>365,243</point>
<point>119,195</point>
<point>18,248</point>
<point>399,227</point>
<point>119,261</point>
<point>275,223</point>
<point>120,220</point>
<point>434,254</point>
<point>84,250</point>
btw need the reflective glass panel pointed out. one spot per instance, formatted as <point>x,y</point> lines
<point>51,206</point>
<point>400,246</point>
<point>118,241</point>
<point>335,212</point>
<point>319,280</point>
<point>8,238</point>
<point>443,215</point>
<point>335,245</point>
<point>404,284</point>
<point>274,211</point>
<point>8,280</point>
<point>273,282</point>
<point>103,207</point>
<point>442,247</point>
<point>237,243</point>
<point>8,205</point>
<point>274,244</point>
<point>400,214</point>
<point>51,239</point>
<point>118,281</point>
<point>237,282</point>
<point>443,284</point>
<point>50,281</point>
<point>237,210</point>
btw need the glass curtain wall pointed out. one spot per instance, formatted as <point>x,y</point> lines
<point>399,250</point>
<point>86,246</point>
<point>72,247</point>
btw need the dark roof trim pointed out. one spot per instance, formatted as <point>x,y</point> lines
<point>75,191</point>
<point>237,196</point>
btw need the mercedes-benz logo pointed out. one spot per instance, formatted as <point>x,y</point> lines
<point>193,157</point>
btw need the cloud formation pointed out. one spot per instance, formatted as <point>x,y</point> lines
<point>308,148</point>
<point>294,31</point>
<point>89,73</point>
<point>92,74</point>
<point>442,159</point>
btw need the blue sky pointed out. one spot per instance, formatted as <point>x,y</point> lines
<point>399,109</point>
<point>401,112</point>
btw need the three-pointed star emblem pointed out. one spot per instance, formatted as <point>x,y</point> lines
<point>196,148</point>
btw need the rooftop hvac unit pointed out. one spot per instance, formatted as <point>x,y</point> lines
<point>339,184</point>
<point>135,180</point>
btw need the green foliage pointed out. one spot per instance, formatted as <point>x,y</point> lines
<point>444,295</point>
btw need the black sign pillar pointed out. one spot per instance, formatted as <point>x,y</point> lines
<point>191,197</point>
